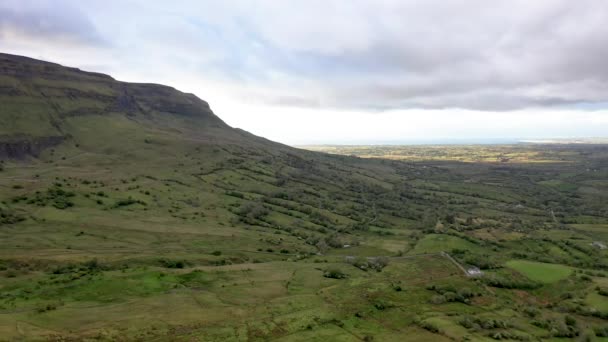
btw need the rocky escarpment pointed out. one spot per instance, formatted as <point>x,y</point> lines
<point>41,103</point>
<point>23,147</point>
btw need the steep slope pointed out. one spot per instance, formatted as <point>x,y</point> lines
<point>45,104</point>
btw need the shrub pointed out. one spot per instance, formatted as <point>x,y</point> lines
<point>45,308</point>
<point>483,323</point>
<point>127,202</point>
<point>507,283</point>
<point>9,217</point>
<point>235,194</point>
<point>334,273</point>
<point>603,292</point>
<point>569,320</point>
<point>167,263</point>
<point>62,203</point>
<point>252,211</point>
<point>429,326</point>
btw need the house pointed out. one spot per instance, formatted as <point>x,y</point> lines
<point>474,271</point>
<point>598,245</point>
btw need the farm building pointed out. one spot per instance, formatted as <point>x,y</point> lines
<point>474,271</point>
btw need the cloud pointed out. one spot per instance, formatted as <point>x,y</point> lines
<point>56,21</point>
<point>359,54</point>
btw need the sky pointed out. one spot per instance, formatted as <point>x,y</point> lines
<point>346,71</point>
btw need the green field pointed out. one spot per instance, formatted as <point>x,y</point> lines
<point>542,272</point>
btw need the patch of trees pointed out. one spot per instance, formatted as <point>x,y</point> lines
<point>483,261</point>
<point>9,217</point>
<point>448,294</point>
<point>56,196</point>
<point>334,273</point>
<point>252,212</point>
<point>559,328</point>
<point>426,325</point>
<point>483,323</point>
<point>371,263</point>
<point>168,263</point>
<point>235,194</point>
<point>509,283</point>
<point>127,202</point>
<point>46,307</point>
<point>601,331</point>
<point>90,266</point>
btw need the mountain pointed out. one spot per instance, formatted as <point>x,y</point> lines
<point>132,212</point>
<point>46,104</point>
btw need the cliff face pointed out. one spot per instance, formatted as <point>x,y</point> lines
<point>40,102</point>
<point>15,148</point>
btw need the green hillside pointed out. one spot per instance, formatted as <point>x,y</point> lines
<point>132,212</point>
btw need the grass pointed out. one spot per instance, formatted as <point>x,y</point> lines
<point>597,301</point>
<point>541,272</point>
<point>435,243</point>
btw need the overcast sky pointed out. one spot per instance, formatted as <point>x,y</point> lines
<point>347,71</point>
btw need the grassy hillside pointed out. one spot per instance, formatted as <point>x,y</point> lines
<point>131,211</point>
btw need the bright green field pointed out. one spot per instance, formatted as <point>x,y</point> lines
<point>541,272</point>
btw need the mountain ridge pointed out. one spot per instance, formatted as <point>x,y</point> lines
<point>51,95</point>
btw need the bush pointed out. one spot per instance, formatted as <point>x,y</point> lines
<point>507,283</point>
<point>9,217</point>
<point>45,308</point>
<point>62,203</point>
<point>450,294</point>
<point>235,194</point>
<point>429,326</point>
<point>569,320</point>
<point>601,332</point>
<point>167,263</point>
<point>374,263</point>
<point>334,273</point>
<point>127,202</point>
<point>483,323</point>
<point>251,212</point>
<point>603,292</point>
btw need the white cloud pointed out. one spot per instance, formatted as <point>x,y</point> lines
<point>353,65</point>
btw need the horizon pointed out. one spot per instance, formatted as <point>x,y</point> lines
<point>465,142</point>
